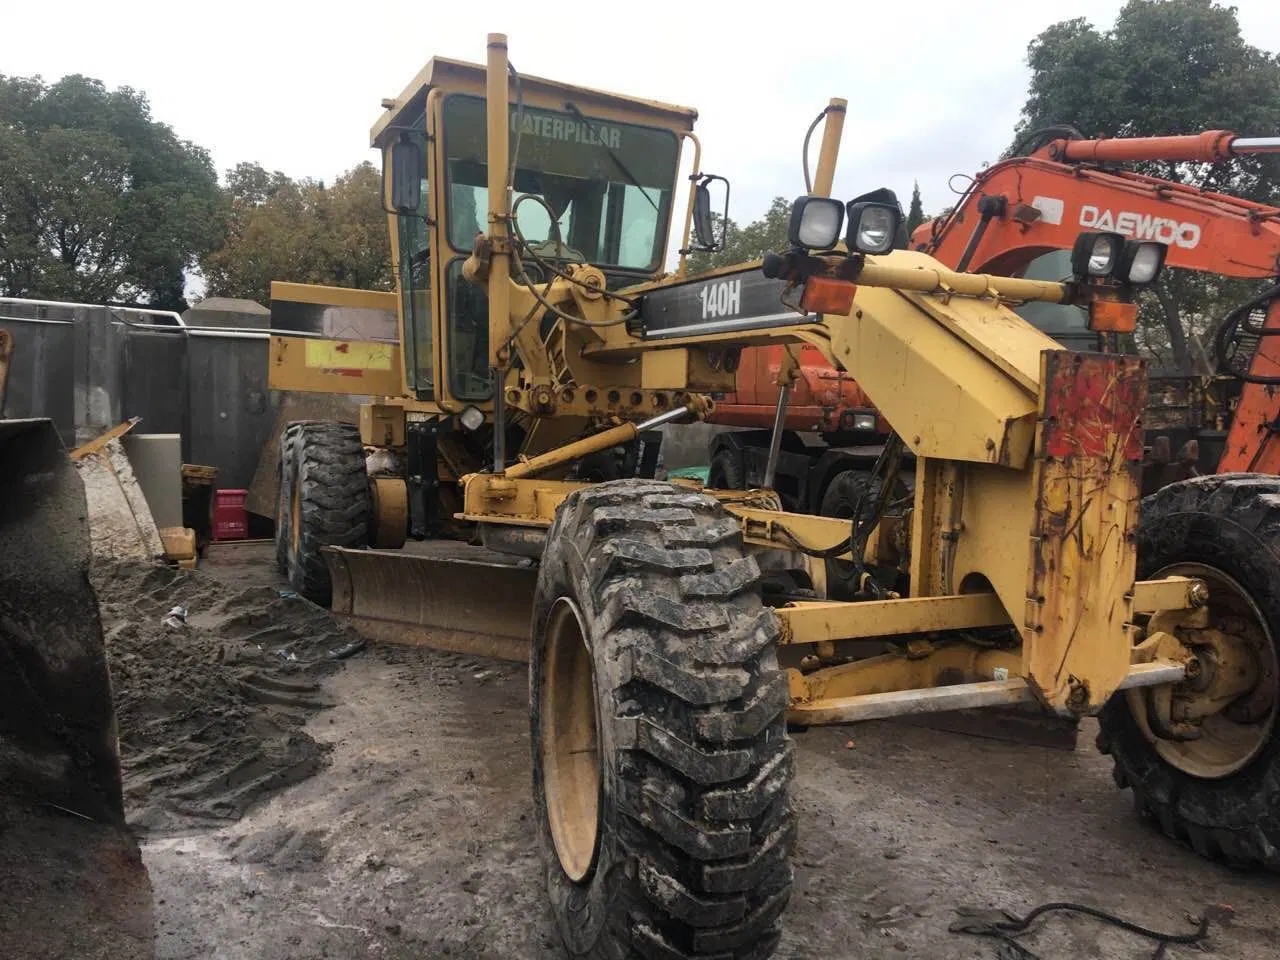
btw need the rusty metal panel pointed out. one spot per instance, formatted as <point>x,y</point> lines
<point>1083,555</point>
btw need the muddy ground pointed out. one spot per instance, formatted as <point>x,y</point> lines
<point>413,840</point>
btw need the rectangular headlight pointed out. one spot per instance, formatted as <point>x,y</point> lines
<point>873,227</point>
<point>1096,254</point>
<point>815,223</point>
<point>1140,261</point>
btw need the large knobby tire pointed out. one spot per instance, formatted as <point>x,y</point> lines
<point>661,763</point>
<point>840,500</point>
<point>328,504</point>
<point>725,473</point>
<point>284,476</point>
<point>1225,528</point>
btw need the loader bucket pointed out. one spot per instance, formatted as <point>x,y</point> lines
<point>468,600</point>
<point>72,881</point>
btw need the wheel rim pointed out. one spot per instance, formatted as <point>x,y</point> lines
<point>569,742</point>
<point>1232,737</point>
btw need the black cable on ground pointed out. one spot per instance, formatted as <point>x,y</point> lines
<point>1005,926</point>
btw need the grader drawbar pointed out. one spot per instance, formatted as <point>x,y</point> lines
<point>677,631</point>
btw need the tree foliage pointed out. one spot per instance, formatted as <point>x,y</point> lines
<point>98,201</point>
<point>915,213</point>
<point>744,244</point>
<point>299,230</point>
<point>1166,67</point>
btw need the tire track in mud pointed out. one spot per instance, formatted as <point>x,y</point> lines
<point>211,706</point>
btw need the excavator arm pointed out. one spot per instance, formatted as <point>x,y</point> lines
<point>1022,208</point>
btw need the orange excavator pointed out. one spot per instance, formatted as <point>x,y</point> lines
<point>1022,208</point>
<point>1020,217</point>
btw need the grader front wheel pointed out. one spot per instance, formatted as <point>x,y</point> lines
<point>1211,777</point>
<point>661,762</point>
<point>324,501</point>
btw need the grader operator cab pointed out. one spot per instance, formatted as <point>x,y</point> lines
<point>663,673</point>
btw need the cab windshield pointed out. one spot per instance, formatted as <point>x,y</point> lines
<point>607,186</point>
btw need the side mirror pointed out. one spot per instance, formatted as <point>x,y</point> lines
<point>406,176</point>
<point>704,221</point>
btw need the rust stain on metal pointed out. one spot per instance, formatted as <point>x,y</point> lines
<point>1090,401</point>
<point>1088,476</point>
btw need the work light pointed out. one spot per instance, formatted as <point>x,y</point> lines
<point>1140,261</point>
<point>1096,254</point>
<point>815,223</point>
<point>472,418</point>
<point>873,222</point>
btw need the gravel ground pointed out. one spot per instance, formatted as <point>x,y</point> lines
<point>414,840</point>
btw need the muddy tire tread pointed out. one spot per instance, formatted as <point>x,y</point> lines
<point>1230,521</point>
<point>329,471</point>
<point>704,766</point>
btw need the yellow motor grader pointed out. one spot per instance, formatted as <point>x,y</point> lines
<point>676,631</point>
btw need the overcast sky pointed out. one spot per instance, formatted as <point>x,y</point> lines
<point>934,87</point>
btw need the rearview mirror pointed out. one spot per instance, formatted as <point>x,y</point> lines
<point>406,176</point>
<point>704,221</point>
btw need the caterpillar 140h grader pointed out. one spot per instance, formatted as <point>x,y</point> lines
<point>674,632</point>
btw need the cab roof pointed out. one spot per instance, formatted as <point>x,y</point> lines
<point>470,78</point>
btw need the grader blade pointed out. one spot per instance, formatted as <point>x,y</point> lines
<point>466,601</point>
<point>72,882</point>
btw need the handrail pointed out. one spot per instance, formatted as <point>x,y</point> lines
<point>177,318</point>
<point>181,325</point>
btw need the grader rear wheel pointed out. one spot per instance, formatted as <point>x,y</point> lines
<point>283,497</point>
<point>661,762</point>
<point>1214,785</point>
<point>325,501</point>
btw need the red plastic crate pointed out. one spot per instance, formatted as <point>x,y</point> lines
<point>230,521</point>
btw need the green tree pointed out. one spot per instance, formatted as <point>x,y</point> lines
<point>98,201</point>
<point>1166,67</point>
<point>744,244</point>
<point>915,213</point>
<point>299,230</point>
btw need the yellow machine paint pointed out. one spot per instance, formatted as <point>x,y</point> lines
<point>958,374</point>
<point>530,222</point>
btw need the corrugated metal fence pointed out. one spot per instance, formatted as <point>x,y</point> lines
<point>89,367</point>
